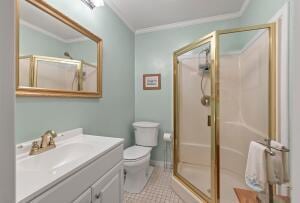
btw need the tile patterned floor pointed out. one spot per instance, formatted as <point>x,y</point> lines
<point>157,190</point>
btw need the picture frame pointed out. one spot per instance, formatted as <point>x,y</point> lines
<point>152,81</point>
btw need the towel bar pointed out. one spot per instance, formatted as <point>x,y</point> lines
<point>272,153</point>
<point>269,150</point>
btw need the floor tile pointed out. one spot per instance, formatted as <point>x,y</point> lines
<point>158,189</point>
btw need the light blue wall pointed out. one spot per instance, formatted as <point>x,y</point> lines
<point>84,50</point>
<point>261,11</point>
<point>110,116</point>
<point>153,54</point>
<point>33,42</point>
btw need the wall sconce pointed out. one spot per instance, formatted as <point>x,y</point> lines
<point>93,3</point>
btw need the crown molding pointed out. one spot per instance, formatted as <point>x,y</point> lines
<point>119,14</point>
<point>50,34</point>
<point>38,29</point>
<point>196,21</point>
<point>79,39</point>
<point>188,23</point>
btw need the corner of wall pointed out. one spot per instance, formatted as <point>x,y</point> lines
<point>7,101</point>
<point>294,96</point>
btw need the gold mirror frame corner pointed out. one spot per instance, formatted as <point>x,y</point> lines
<point>42,92</point>
<point>214,39</point>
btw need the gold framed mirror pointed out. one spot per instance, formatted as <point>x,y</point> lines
<point>56,56</point>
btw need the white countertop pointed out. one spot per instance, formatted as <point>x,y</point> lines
<point>74,150</point>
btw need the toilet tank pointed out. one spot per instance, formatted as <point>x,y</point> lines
<point>146,133</point>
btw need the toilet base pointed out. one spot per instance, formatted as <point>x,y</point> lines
<point>133,186</point>
<point>150,170</point>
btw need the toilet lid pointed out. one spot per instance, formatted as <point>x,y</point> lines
<point>136,152</point>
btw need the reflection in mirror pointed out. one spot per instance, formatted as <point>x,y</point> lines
<point>54,56</point>
<point>244,104</point>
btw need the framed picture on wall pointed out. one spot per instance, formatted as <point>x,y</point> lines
<point>151,81</point>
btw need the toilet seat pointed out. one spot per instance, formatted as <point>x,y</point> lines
<point>136,153</point>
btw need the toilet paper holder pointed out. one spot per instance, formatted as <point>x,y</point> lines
<point>168,142</point>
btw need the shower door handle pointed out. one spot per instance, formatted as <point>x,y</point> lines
<point>209,120</point>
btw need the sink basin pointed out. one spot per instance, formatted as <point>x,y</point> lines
<point>54,159</point>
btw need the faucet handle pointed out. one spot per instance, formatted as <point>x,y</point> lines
<point>52,133</point>
<point>35,144</point>
<point>51,142</point>
<point>34,148</point>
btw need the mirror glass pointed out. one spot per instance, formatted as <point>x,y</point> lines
<point>54,56</point>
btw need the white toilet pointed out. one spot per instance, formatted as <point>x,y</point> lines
<point>137,158</point>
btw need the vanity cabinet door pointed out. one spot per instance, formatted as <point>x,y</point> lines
<point>86,197</point>
<point>109,189</point>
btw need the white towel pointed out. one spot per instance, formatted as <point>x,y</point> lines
<point>274,168</point>
<point>256,173</point>
<point>278,172</point>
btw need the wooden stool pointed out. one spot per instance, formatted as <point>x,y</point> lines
<point>248,196</point>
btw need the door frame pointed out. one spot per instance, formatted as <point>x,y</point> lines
<point>214,39</point>
<point>211,39</point>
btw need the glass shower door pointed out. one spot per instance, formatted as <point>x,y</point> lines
<point>194,132</point>
<point>247,111</point>
<point>224,98</point>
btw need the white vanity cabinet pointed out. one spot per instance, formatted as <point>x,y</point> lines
<point>109,189</point>
<point>100,181</point>
<point>86,197</point>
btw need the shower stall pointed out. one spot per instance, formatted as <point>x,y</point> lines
<point>224,98</point>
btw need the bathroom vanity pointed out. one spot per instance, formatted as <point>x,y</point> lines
<point>81,169</point>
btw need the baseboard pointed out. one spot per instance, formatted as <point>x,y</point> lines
<point>160,163</point>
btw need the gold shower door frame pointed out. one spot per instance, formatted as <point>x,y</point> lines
<point>214,40</point>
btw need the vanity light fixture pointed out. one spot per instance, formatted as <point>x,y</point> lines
<point>93,3</point>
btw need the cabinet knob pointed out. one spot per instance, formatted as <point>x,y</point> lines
<point>99,195</point>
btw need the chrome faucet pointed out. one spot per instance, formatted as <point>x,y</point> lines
<point>46,143</point>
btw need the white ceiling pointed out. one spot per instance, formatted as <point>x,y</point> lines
<point>40,21</point>
<point>142,14</point>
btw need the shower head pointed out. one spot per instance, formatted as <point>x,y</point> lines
<point>206,66</point>
<point>66,54</point>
